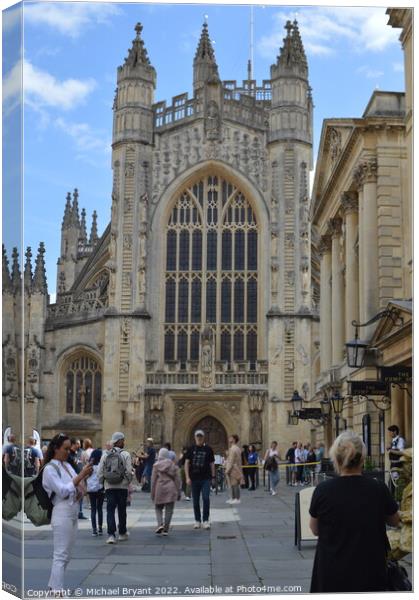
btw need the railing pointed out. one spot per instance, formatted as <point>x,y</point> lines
<point>192,379</point>
<point>88,305</point>
<point>247,103</point>
<point>182,108</point>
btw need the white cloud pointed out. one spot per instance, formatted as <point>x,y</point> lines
<point>12,83</point>
<point>370,73</point>
<point>398,67</point>
<point>70,18</point>
<point>43,89</point>
<point>86,139</point>
<point>364,28</point>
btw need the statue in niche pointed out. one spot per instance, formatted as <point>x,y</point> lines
<point>206,350</point>
<point>255,427</point>
<point>156,425</point>
<point>213,121</point>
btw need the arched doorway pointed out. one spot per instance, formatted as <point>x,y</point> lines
<point>215,434</point>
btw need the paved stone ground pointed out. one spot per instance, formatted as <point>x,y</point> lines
<point>251,544</point>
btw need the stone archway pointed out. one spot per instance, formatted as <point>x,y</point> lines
<point>215,434</point>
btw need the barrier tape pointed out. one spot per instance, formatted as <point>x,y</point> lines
<point>259,466</point>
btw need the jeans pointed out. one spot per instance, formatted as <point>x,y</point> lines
<point>116,498</point>
<point>201,486</point>
<point>64,522</point>
<point>252,477</point>
<point>96,505</point>
<point>273,479</point>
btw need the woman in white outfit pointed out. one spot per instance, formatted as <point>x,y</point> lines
<point>62,484</point>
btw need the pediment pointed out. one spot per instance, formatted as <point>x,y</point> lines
<point>390,324</point>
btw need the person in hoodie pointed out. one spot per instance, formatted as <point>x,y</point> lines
<point>165,489</point>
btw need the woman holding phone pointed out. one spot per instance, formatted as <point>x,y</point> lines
<point>63,486</point>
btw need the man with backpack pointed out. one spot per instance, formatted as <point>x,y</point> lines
<point>115,473</point>
<point>22,460</point>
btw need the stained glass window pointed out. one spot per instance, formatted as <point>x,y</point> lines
<point>211,273</point>
<point>83,385</point>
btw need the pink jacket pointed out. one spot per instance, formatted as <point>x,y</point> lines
<point>165,482</point>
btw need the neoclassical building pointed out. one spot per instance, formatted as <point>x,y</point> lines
<point>195,306</point>
<point>362,233</point>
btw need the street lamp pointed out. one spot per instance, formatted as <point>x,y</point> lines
<point>297,401</point>
<point>294,418</point>
<point>337,403</point>
<point>355,352</point>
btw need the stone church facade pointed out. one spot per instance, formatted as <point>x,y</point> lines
<point>196,307</point>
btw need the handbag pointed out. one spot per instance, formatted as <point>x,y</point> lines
<point>397,578</point>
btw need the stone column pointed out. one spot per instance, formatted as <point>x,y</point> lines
<point>350,207</point>
<point>366,174</point>
<point>325,304</point>
<point>407,429</point>
<point>397,407</point>
<point>338,323</point>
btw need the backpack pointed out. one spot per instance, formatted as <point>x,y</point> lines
<point>113,467</point>
<point>22,457</point>
<point>38,505</point>
<point>11,495</point>
<point>92,482</point>
<point>271,464</point>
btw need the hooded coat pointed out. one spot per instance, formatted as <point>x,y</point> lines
<point>165,482</point>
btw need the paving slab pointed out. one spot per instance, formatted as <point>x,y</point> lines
<point>250,544</point>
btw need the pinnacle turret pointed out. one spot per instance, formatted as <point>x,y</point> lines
<point>292,57</point>
<point>27,277</point>
<point>40,278</point>
<point>205,67</point>
<point>67,212</point>
<point>93,232</point>
<point>137,55</point>
<point>75,218</point>
<point>83,231</point>
<point>16,277</point>
<point>7,281</point>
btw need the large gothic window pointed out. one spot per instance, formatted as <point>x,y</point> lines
<point>83,385</point>
<point>211,273</point>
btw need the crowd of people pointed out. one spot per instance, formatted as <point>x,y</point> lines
<point>73,473</point>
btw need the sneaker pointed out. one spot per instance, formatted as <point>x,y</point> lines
<point>82,517</point>
<point>165,530</point>
<point>159,529</point>
<point>122,537</point>
<point>100,532</point>
<point>273,493</point>
<point>197,525</point>
<point>94,533</point>
<point>207,525</point>
<point>111,540</point>
<point>187,498</point>
<point>229,501</point>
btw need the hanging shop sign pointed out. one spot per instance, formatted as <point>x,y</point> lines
<point>396,374</point>
<point>368,388</point>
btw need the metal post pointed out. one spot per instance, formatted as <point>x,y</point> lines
<point>337,424</point>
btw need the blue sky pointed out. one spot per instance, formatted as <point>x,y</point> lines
<point>72,50</point>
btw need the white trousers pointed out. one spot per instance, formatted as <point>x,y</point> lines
<point>64,523</point>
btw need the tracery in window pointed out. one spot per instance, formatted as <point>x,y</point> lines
<point>211,273</point>
<point>83,385</point>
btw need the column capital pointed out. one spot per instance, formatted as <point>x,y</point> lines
<point>325,244</point>
<point>349,202</point>
<point>335,227</point>
<point>365,172</point>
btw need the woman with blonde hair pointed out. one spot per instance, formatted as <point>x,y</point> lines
<point>349,514</point>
